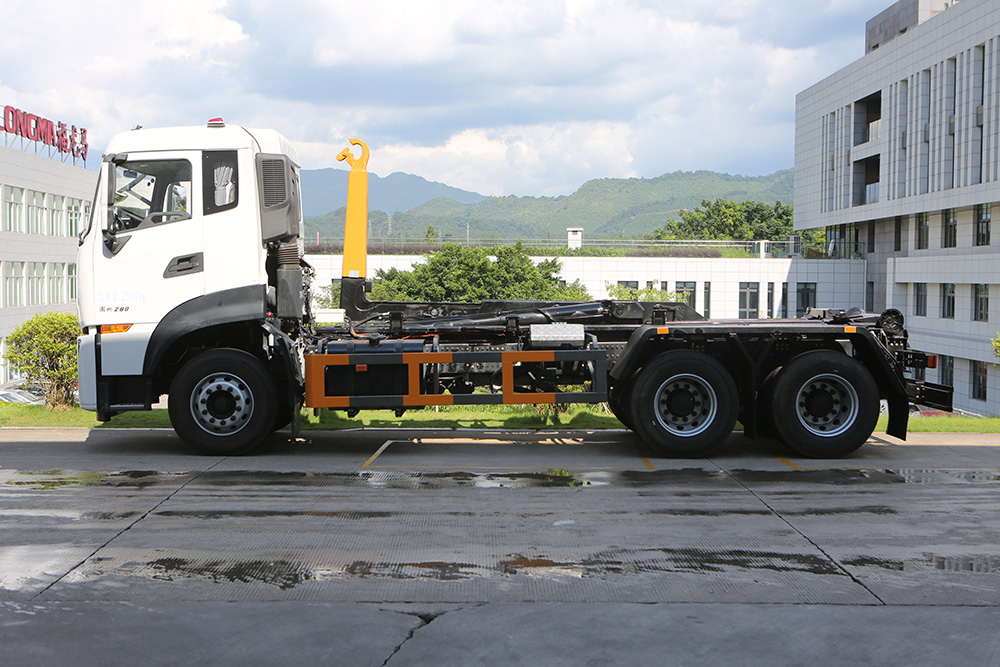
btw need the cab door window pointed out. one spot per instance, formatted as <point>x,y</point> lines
<point>220,179</point>
<point>148,193</point>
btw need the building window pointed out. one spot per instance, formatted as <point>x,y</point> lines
<point>983,224</point>
<point>920,299</point>
<point>56,216</point>
<point>784,300</point>
<point>949,228</point>
<point>57,283</point>
<point>631,284</point>
<point>73,217</point>
<point>870,296</point>
<point>948,300</point>
<point>770,300</point>
<point>36,212</point>
<point>980,303</point>
<point>806,298</point>
<point>36,283</point>
<point>71,283</point>
<point>13,284</point>
<point>685,292</point>
<point>749,300</point>
<point>871,237</point>
<point>708,300</point>
<point>979,380</point>
<point>946,366</point>
<point>923,230</point>
<point>13,209</point>
<point>897,235</point>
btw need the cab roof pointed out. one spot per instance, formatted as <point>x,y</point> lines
<point>202,137</point>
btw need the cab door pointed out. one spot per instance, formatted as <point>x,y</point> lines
<point>150,255</point>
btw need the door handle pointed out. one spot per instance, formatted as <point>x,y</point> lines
<point>185,265</point>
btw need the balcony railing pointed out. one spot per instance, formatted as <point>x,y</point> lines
<point>871,193</point>
<point>874,128</point>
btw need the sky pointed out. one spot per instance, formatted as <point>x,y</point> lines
<point>501,97</point>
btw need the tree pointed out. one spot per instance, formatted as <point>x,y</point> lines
<point>43,350</point>
<point>725,220</point>
<point>625,293</point>
<point>328,297</point>
<point>469,274</point>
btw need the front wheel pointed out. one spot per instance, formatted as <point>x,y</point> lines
<point>684,403</point>
<point>223,402</point>
<point>825,404</point>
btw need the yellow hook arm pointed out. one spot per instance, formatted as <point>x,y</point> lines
<point>356,220</point>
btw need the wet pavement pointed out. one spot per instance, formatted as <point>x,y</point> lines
<point>463,547</point>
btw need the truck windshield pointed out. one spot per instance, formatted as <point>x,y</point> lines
<point>150,192</point>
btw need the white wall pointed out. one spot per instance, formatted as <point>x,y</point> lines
<point>840,283</point>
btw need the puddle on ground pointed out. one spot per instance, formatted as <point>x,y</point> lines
<point>553,478</point>
<point>54,479</point>
<point>355,515</point>
<point>72,515</point>
<point>929,562</point>
<point>280,573</point>
<point>285,571</point>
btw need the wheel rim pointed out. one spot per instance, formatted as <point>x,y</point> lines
<point>827,405</point>
<point>222,404</point>
<point>686,405</point>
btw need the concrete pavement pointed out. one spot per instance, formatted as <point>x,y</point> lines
<point>496,547</point>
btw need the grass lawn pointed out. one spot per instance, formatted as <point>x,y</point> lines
<point>594,417</point>
<point>576,417</point>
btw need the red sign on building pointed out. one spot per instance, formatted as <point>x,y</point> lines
<point>65,140</point>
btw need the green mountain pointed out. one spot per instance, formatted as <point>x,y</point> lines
<point>325,190</point>
<point>604,208</point>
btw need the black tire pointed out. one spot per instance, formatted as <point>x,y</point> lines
<point>619,402</point>
<point>684,404</point>
<point>282,416</point>
<point>765,401</point>
<point>223,402</point>
<point>824,404</point>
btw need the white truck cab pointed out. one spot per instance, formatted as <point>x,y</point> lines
<point>194,243</point>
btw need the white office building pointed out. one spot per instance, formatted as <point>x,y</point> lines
<point>45,201</point>
<point>898,156</point>
<point>719,288</point>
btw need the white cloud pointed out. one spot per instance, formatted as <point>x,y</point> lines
<point>497,96</point>
<point>527,160</point>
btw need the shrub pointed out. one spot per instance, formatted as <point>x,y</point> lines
<point>43,351</point>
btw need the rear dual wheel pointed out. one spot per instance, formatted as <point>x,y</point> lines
<point>824,404</point>
<point>683,403</point>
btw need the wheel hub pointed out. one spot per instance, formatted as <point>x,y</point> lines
<point>681,402</point>
<point>820,402</point>
<point>686,405</point>
<point>222,403</point>
<point>827,405</point>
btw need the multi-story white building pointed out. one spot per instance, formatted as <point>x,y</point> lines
<point>898,156</point>
<point>719,288</point>
<point>44,201</point>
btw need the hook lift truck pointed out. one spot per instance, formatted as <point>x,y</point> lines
<point>193,284</point>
